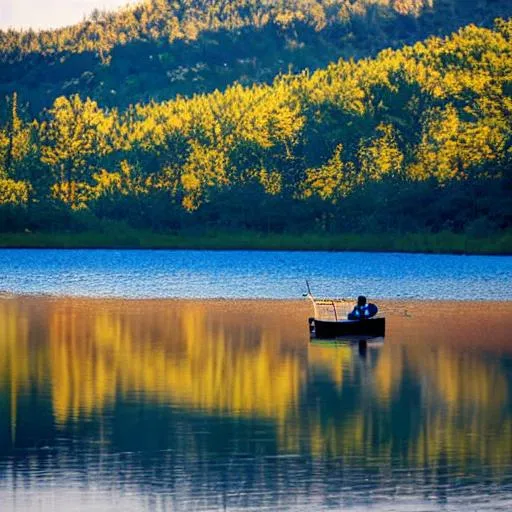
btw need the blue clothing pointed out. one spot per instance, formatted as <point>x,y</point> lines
<point>359,312</point>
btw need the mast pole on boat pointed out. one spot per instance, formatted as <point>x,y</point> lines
<point>312,299</point>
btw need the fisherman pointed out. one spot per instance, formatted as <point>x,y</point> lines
<point>361,310</point>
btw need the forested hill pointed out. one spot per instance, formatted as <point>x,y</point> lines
<point>161,48</point>
<point>417,139</point>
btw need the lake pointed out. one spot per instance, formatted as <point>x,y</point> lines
<point>253,274</point>
<point>111,404</point>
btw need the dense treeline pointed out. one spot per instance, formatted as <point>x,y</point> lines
<point>161,48</point>
<point>417,139</point>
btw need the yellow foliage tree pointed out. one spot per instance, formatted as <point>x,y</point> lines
<point>205,168</point>
<point>381,156</point>
<point>13,192</point>
<point>449,146</point>
<point>75,134</point>
<point>331,181</point>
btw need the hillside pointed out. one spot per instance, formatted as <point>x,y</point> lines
<point>162,48</point>
<point>414,140</point>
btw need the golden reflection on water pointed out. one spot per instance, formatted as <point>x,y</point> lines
<point>187,357</point>
<point>254,360</point>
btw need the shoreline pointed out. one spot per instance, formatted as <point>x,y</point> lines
<point>5,295</point>
<point>130,239</point>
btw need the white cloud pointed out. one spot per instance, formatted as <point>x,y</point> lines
<point>39,14</point>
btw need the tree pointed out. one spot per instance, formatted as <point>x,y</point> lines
<point>15,139</point>
<point>74,137</point>
<point>381,156</point>
<point>332,181</point>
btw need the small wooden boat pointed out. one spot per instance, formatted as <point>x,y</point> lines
<point>356,329</point>
<point>331,322</point>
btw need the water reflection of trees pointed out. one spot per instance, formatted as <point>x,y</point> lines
<point>411,404</point>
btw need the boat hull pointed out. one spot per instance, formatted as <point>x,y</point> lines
<point>366,328</point>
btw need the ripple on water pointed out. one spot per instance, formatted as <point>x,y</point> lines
<point>258,274</point>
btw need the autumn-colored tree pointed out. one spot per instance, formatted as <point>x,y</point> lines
<point>15,139</point>
<point>333,180</point>
<point>13,192</point>
<point>74,136</point>
<point>381,156</point>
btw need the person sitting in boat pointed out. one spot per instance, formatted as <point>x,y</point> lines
<point>361,310</point>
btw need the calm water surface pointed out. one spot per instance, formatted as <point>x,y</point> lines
<point>253,274</point>
<point>178,405</point>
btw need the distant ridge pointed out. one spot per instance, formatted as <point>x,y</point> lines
<point>161,48</point>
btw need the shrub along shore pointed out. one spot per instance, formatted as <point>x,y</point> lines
<point>444,242</point>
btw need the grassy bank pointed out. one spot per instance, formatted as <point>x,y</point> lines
<point>128,238</point>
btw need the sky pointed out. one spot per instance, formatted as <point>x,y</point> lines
<point>38,14</point>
